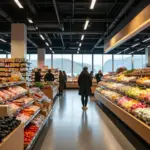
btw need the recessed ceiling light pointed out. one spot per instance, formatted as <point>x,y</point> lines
<point>47,44</point>
<point>135,45</point>
<point>42,37</point>
<point>82,37</point>
<point>80,44</point>
<point>18,3</point>
<point>92,4</point>
<point>86,24</point>
<point>146,40</point>
<point>3,40</point>
<point>30,20</point>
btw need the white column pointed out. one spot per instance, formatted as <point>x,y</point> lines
<point>41,57</point>
<point>147,56</point>
<point>18,40</point>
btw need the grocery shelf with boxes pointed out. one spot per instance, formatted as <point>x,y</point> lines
<point>23,111</point>
<point>127,95</point>
<point>11,66</point>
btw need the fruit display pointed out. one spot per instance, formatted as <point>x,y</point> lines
<point>30,132</point>
<point>143,113</point>
<point>38,120</point>
<point>7,125</point>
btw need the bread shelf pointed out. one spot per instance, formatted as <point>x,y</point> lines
<point>142,129</point>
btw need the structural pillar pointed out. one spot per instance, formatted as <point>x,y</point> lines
<point>147,56</point>
<point>41,57</point>
<point>18,40</point>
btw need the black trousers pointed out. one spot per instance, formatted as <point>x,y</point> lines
<point>84,100</point>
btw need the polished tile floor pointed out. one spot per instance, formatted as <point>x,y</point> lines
<point>71,128</point>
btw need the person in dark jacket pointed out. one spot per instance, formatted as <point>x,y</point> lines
<point>61,82</point>
<point>38,76</point>
<point>49,76</point>
<point>85,83</point>
<point>65,78</point>
<point>99,76</point>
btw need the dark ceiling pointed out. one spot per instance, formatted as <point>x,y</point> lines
<point>61,22</point>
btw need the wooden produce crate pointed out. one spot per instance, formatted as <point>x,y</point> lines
<point>142,129</point>
<point>15,140</point>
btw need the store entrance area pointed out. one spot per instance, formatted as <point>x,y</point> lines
<point>71,128</point>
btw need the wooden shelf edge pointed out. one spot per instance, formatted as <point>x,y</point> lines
<point>142,129</point>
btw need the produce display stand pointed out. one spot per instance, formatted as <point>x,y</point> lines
<point>50,92</point>
<point>72,85</point>
<point>15,140</point>
<point>93,88</point>
<point>30,146</point>
<point>142,129</point>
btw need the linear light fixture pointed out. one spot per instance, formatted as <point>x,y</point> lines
<point>78,49</point>
<point>148,46</point>
<point>53,52</point>
<point>86,24</point>
<point>132,52</point>
<point>30,20</point>
<point>1,50</point>
<point>2,40</point>
<point>82,37</point>
<point>135,45</point>
<point>18,3</point>
<point>119,52</point>
<point>42,37</point>
<point>50,48</point>
<point>126,49</point>
<point>47,44</point>
<point>146,40</point>
<point>80,44</point>
<point>77,52</point>
<point>36,28</point>
<point>92,4</point>
<point>140,49</point>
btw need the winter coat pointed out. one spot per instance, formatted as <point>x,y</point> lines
<point>98,77</point>
<point>49,77</point>
<point>38,77</point>
<point>85,83</point>
<point>61,82</point>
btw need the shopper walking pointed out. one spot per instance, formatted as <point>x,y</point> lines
<point>61,82</point>
<point>38,75</point>
<point>49,76</point>
<point>85,83</point>
<point>65,79</point>
<point>99,76</point>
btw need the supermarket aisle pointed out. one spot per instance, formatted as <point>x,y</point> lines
<point>74,129</point>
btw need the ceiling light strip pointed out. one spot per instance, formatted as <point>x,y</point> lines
<point>146,40</point>
<point>135,45</point>
<point>2,40</point>
<point>80,44</point>
<point>86,24</point>
<point>30,20</point>
<point>42,37</point>
<point>92,4</point>
<point>82,37</point>
<point>18,3</point>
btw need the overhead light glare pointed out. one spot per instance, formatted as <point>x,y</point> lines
<point>131,52</point>
<point>53,52</point>
<point>80,44</point>
<point>86,24</point>
<point>92,4</point>
<point>47,44</point>
<point>82,37</point>
<point>135,45</point>
<point>140,49</point>
<point>2,40</point>
<point>78,49</point>
<point>126,49</point>
<point>1,50</point>
<point>146,40</point>
<point>30,20</point>
<point>50,48</point>
<point>42,37</point>
<point>37,28</point>
<point>18,3</point>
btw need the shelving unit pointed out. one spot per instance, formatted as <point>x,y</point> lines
<point>142,129</point>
